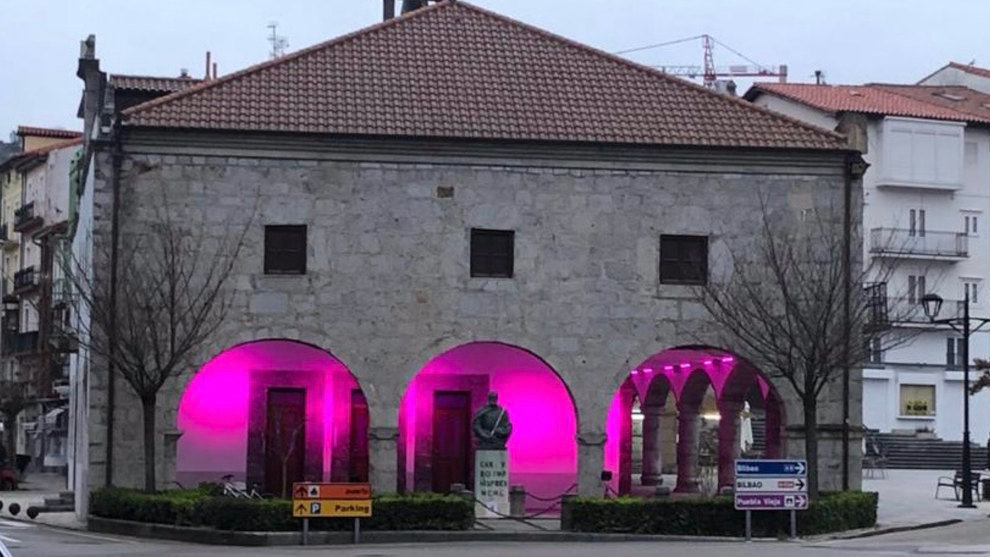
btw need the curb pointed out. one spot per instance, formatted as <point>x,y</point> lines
<point>892,530</point>
<point>208,536</point>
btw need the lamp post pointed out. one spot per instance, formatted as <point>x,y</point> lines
<point>932,303</point>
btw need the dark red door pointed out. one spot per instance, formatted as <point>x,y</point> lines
<point>451,439</point>
<point>357,466</point>
<point>285,439</point>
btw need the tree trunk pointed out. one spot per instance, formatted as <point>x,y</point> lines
<point>811,444</point>
<point>148,406</point>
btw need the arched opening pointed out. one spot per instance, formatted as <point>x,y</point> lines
<point>436,445</point>
<point>701,409</point>
<point>270,413</point>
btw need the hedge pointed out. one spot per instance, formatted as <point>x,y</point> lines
<point>201,507</point>
<point>832,512</point>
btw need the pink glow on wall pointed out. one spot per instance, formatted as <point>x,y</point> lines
<point>213,411</point>
<point>542,448</point>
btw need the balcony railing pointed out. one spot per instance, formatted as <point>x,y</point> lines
<point>903,242</point>
<point>909,310</point>
<point>25,217</point>
<point>25,279</point>
<point>20,343</point>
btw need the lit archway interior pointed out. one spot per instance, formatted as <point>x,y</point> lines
<point>272,412</point>
<point>683,416</point>
<point>436,445</point>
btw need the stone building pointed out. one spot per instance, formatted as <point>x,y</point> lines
<point>442,204</point>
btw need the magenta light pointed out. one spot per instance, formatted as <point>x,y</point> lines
<point>728,359</point>
<point>213,411</point>
<point>668,368</point>
<point>707,362</point>
<point>648,370</point>
<point>633,372</point>
<point>685,366</point>
<point>542,450</point>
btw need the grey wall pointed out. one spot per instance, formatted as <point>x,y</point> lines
<point>388,283</point>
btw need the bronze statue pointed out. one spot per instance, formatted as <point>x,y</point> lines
<point>491,425</point>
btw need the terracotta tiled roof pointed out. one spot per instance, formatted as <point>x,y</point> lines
<point>25,155</point>
<point>916,101</point>
<point>150,83</point>
<point>46,132</point>
<point>975,70</point>
<point>453,70</point>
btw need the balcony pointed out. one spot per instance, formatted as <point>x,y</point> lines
<point>908,311</point>
<point>10,240</point>
<point>25,280</point>
<point>25,218</point>
<point>15,344</point>
<point>903,243</point>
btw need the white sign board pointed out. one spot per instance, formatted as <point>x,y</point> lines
<point>491,483</point>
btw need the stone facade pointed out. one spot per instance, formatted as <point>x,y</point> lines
<point>388,284</point>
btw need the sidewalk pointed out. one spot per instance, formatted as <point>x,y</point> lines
<point>32,492</point>
<point>907,499</point>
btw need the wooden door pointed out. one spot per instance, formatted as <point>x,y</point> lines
<point>357,465</point>
<point>285,439</point>
<point>451,439</point>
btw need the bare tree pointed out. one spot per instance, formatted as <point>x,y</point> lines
<point>171,297</point>
<point>783,304</point>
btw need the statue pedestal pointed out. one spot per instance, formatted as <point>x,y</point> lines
<point>491,483</point>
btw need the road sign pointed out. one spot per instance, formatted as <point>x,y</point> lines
<point>771,501</point>
<point>325,508</point>
<point>771,468</point>
<point>766,484</point>
<point>331,491</point>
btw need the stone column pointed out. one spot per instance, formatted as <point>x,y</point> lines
<point>728,442</point>
<point>591,447</point>
<point>652,444</point>
<point>688,438</point>
<point>383,459</point>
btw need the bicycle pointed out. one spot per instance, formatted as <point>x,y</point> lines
<point>239,490</point>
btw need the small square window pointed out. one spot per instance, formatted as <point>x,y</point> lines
<point>492,253</point>
<point>683,259</point>
<point>285,249</point>
<point>917,400</point>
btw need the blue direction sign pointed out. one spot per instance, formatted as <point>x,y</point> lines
<point>771,501</point>
<point>772,468</point>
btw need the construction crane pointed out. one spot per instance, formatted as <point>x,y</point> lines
<point>709,72</point>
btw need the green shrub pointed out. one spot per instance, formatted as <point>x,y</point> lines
<point>198,507</point>
<point>717,517</point>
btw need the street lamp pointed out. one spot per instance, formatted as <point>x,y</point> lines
<point>932,303</point>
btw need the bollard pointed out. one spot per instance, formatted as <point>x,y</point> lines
<point>457,488</point>
<point>726,490</point>
<point>517,501</point>
<point>662,491</point>
<point>14,509</point>
<point>566,512</point>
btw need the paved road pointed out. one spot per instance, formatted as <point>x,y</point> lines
<point>973,538</point>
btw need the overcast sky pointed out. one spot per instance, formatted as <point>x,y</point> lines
<point>852,41</point>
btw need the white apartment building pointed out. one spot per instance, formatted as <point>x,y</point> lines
<point>927,215</point>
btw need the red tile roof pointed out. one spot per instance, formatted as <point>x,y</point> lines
<point>975,70</point>
<point>916,101</point>
<point>453,70</point>
<point>46,132</point>
<point>151,83</point>
<point>25,155</point>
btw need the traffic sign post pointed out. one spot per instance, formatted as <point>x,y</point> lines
<point>771,485</point>
<point>331,500</point>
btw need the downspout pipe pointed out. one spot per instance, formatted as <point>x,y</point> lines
<point>116,158</point>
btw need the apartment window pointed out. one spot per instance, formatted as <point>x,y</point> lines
<point>917,223</point>
<point>917,400</point>
<point>683,259</point>
<point>874,350</point>
<point>285,249</point>
<point>492,253</point>
<point>953,353</point>
<point>916,288</point>
<point>971,290</point>
<point>970,225</point>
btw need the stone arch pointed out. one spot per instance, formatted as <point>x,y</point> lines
<point>236,413</point>
<point>709,386</point>
<point>542,449</point>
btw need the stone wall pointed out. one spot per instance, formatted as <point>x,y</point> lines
<point>388,284</point>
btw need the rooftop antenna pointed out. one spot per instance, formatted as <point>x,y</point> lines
<point>279,43</point>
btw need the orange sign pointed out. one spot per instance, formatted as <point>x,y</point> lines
<point>347,491</point>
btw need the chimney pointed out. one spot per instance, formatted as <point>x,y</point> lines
<point>388,8</point>
<point>411,5</point>
<point>214,70</point>
<point>207,76</point>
